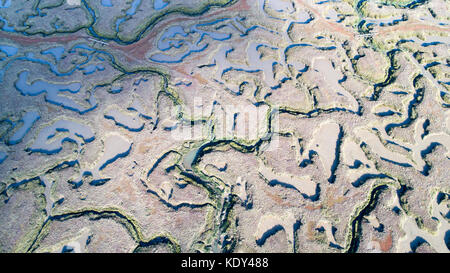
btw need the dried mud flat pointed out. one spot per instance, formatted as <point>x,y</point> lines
<point>224,126</point>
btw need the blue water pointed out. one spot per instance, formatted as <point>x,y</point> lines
<point>163,58</point>
<point>83,46</point>
<point>384,22</point>
<point>107,3</point>
<point>74,129</point>
<point>166,42</point>
<point>115,147</point>
<point>160,4</point>
<point>183,83</point>
<point>137,82</point>
<point>8,50</point>
<point>53,68</point>
<point>3,156</point>
<point>28,120</point>
<point>6,26</point>
<point>39,87</point>
<point>173,38</point>
<point>130,12</point>
<point>218,36</point>
<point>128,122</point>
<point>121,149</point>
<point>52,92</point>
<point>133,8</point>
<point>326,1</point>
<point>57,52</point>
<point>137,106</point>
<point>116,90</point>
<point>431,44</point>
<point>5,3</point>
<point>92,68</point>
<point>119,22</point>
<point>254,59</point>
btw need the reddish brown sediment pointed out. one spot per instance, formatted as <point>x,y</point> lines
<point>386,243</point>
<point>311,207</point>
<point>125,187</point>
<point>331,200</point>
<point>152,187</point>
<point>134,51</point>
<point>140,48</point>
<point>278,199</point>
<point>310,227</point>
